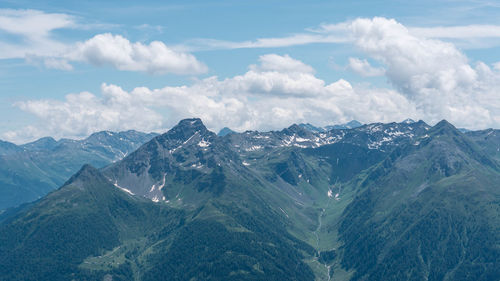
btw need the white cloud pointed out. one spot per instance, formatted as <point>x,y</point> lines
<point>83,113</point>
<point>273,62</point>
<point>120,53</point>
<point>34,28</point>
<point>457,32</point>
<point>49,62</point>
<point>148,27</point>
<point>364,68</point>
<point>432,80</point>
<point>55,63</point>
<point>32,23</point>
<point>268,96</point>
<point>36,43</point>
<point>496,66</point>
<point>471,36</point>
<point>277,42</point>
<point>432,74</point>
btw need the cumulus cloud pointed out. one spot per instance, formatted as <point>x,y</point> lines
<point>116,51</point>
<point>434,75</point>
<point>83,113</point>
<point>36,42</point>
<point>364,68</point>
<point>270,95</point>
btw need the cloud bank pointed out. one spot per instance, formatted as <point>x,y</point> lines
<point>274,93</point>
<point>431,79</point>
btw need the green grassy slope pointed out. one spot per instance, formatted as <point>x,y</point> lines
<point>428,212</point>
<point>89,229</point>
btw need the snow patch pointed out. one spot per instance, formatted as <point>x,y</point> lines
<point>284,212</point>
<point>260,137</point>
<point>163,183</point>
<point>122,188</point>
<point>254,148</point>
<point>299,139</point>
<point>300,145</point>
<point>204,143</point>
<point>195,133</point>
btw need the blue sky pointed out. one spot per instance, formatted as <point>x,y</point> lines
<point>69,68</point>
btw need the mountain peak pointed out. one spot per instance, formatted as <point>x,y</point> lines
<point>45,143</point>
<point>443,123</point>
<point>296,129</point>
<point>86,174</point>
<point>353,124</point>
<point>191,122</point>
<point>87,169</point>
<point>311,127</point>
<point>186,129</point>
<point>349,125</point>
<point>101,134</point>
<point>225,131</point>
<point>194,124</point>
<point>408,121</point>
<point>444,127</point>
<point>45,139</point>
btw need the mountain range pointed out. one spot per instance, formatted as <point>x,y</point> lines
<point>395,201</point>
<point>30,171</point>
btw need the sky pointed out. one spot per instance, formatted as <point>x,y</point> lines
<point>71,68</point>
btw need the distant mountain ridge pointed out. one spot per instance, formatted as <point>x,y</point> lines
<point>29,171</point>
<point>225,131</point>
<point>8,148</point>
<point>349,125</point>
